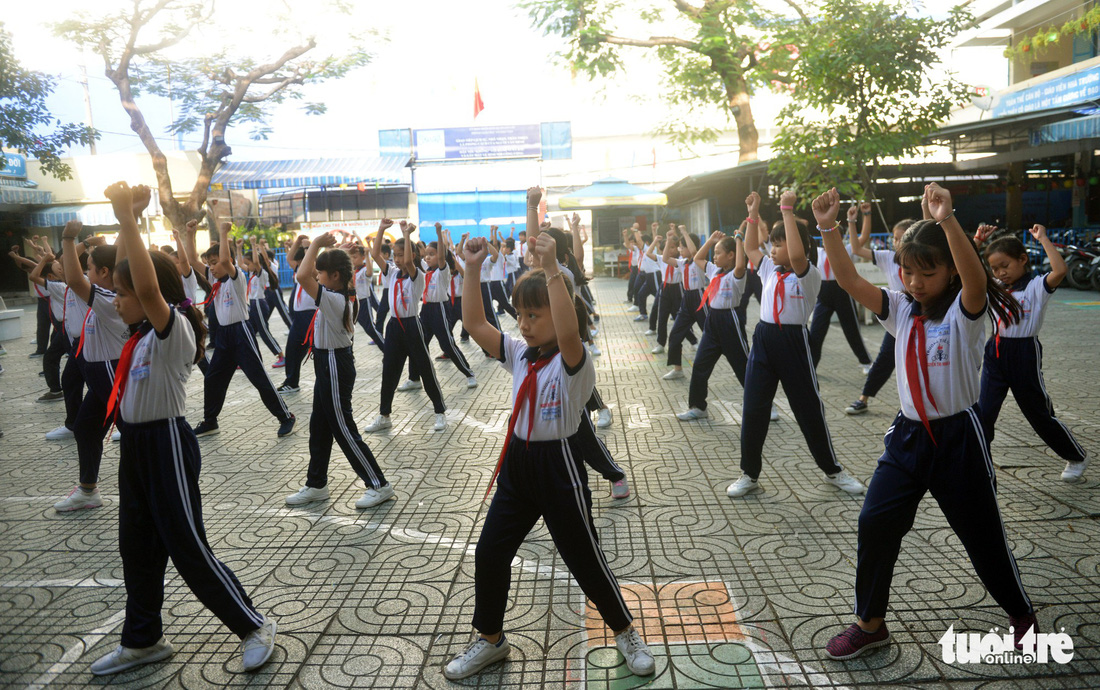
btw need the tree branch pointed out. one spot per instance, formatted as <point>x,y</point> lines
<point>650,42</point>
<point>687,9</point>
<point>794,6</point>
<point>295,79</point>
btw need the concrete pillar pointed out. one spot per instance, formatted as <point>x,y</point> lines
<point>1014,200</point>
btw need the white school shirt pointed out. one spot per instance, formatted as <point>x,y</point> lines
<point>511,263</point>
<point>800,294</point>
<point>487,268</point>
<point>104,332</point>
<point>437,285</point>
<point>648,265</point>
<point>825,266</point>
<point>364,284</point>
<point>190,285</point>
<point>1033,299</point>
<point>257,283</point>
<point>729,289</point>
<point>328,326</point>
<point>230,303</point>
<point>457,279</point>
<point>673,277</point>
<point>560,394</point>
<point>884,259</point>
<point>953,352</point>
<point>75,310</point>
<point>56,290</point>
<point>411,290</point>
<point>41,292</point>
<point>500,269</point>
<point>695,280</point>
<point>159,369</point>
<point>303,301</point>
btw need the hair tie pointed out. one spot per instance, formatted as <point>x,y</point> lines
<point>185,304</point>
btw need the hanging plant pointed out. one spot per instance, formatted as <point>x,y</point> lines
<point>1028,47</point>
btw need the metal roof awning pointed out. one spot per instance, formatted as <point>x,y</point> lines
<point>57,216</point>
<point>315,172</point>
<point>1032,119</point>
<point>611,191</point>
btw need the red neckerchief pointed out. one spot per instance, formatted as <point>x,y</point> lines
<point>779,297</point>
<point>825,268</point>
<point>669,271</point>
<point>298,296</point>
<point>427,284</point>
<point>687,279</point>
<point>996,339</point>
<point>528,393</point>
<point>80,345</point>
<point>453,289</point>
<point>213,293</point>
<point>122,372</point>
<point>711,291</point>
<point>916,367</point>
<point>399,289</point>
<point>308,340</point>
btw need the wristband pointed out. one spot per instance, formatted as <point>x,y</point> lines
<point>750,220</point>
<point>949,216</point>
<point>559,274</point>
<point>826,229</point>
<point>866,213</point>
<point>738,236</point>
<point>786,208</point>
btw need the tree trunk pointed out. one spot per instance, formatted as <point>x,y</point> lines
<point>747,136</point>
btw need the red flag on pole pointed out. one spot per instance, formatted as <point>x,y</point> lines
<point>479,105</point>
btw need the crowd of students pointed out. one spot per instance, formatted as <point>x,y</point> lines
<point>130,321</point>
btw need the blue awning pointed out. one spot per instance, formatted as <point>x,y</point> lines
<point>57,216</point>
<point>316,172</point>
<point>22,192</point>
<point>611,191</point>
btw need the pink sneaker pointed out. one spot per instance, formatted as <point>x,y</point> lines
<point>854,641</point>
<point>279,363</point>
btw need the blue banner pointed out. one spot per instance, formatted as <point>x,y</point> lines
<point>15,165</point>
<point>467,143</point>
<point>1073,88</point>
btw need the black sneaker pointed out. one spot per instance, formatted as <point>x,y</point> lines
<point>286,388</point>
<point>858,407</point>
<point>442,358</point>
<point>207,429</point>
<point>35,355</point>
<point>287,426</point>
<point>51,396</point>
<point>464,340</point>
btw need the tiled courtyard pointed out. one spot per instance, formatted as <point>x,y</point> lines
<point>729,593</point>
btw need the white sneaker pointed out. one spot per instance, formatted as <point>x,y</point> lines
<point>637,655</point>
<point>117,436</point>
<point>373,497</point>
<point>78,500</point>
<point>593,331</point>
<point>742,486</point>
<point>633,307</point>
<point>845,481</point>
<point>603,418</point>
<point>865,368</point>
<point>307,494</point>
<point>440,422</point>
<point>59,434</point>
<point>410,386</point>
<point>594,351</point>
<point>380,422</point>
<point>775,414</point>
<point>471,382</point>
<point>125,657</point>
<point>620,489</point>
<point>674,375</point>
<point>650,331</point>
<point>657,350</point>
<point>693,413</point>
<point>1074,470</point>
<point>257,646</point>
<point>477,656</point>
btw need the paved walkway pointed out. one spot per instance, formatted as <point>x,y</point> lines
<point>730,593</point>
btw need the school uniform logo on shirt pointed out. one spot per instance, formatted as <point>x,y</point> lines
<point>550,403</point>
<point>140,368</point>
<point>937,339</point>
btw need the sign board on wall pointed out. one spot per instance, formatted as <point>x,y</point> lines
<point>15,165</point>
<point>468,143</point>
<point>1079,87</point>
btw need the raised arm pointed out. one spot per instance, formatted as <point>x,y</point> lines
<point>534,196</point>
<point>1057,263</point>
<point>858,243</point>
<point>703,254</point>
<point>967,262</point>
<point>441,245</point>
<point>494,253</point>
<point>70,261</point>
<point>376,245</point>
<point>752,229</point>
<point>142,273</point>
<point>668,251</point>
<point>578,241</point>
<point>561,306</point>
<point>473,313</point>
<point>651,250</point>
<point>39,268</point>
<point>192,252</point>
<point>225,254</point>
<point>741,260</point>
<point>796,253</point>
<point>409,257</point>
<point>689,241</point>
<point>825,208</point>
<point>307,266</point>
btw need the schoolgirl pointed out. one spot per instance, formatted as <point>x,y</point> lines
<point>73,311</point>
<point>43,335</point>
<point>539,472</point>
<point>404,334</point>
<point>273,293</point>
<point>633,259</point>
<point>498,273</point>
<point>235,347</point>
<point>258,278</point>
<point>458,276</point>
<point>195,275</point>
<point>576,264</point>
<point>883,365</point>
<point>301,315</point>
<point>42,322</point>
<point>690,314</point>
<point>781,351</point>
<point>721,336</point>
<point>752,288</point>
<point>160,508</point>
<point>649,282</point>
<point>936,442</point>
<point>97,351</point>
<point>364,291</point>
<point>832,300</point>
<point>672,287</point>
<point>334,364</point>
<point>1014,356</point>
<point>436,296</point>
<point>382,307</point>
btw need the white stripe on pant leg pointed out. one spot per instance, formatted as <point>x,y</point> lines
<point>820,402</point>
<point>185,497</point>
<point>459,357</point>
<point>269,339</point>
<point>741,338</point>
<point>578,495</point>
<point>1050,403</point>
<point>980,435</point>
<point>585,419</point>
<point>259,360</point>
<point>341,422</point>
<point>428,358</point>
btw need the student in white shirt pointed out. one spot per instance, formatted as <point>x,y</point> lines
<point>48,274</point>
<point>1014,356</point>
<point>936,443</point>
<point>160,507</point>
<point>649,282</point>
<point>500,271</point>
<point>540,474</point>
<point>436,299</point>
<point>364,290</point>
<point>694,280</point>
<point>302,310</point>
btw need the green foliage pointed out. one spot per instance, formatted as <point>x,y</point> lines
<point>863,91</point>
<point>26,124</point>
<point>1030,47</point>
<point>274,234</point>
